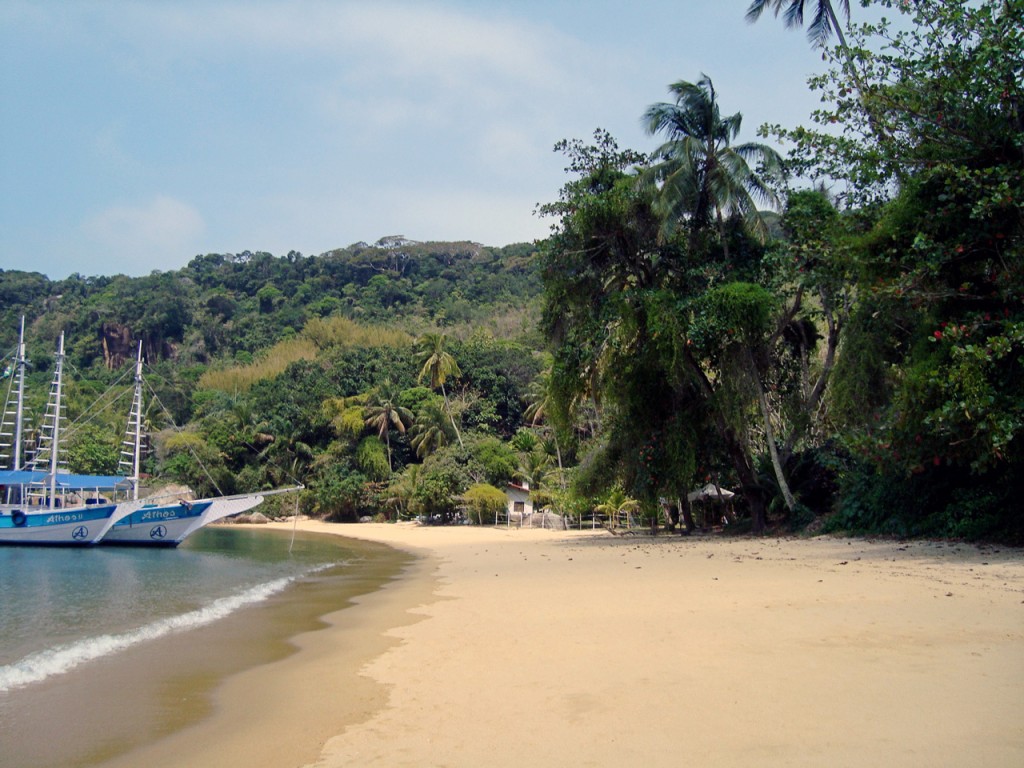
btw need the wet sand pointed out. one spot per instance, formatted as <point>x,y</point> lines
<point>282,711</point>
<point>508,647</point>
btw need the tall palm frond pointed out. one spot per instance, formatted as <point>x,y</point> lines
<point>383,413</point>
<point>699,175</point>
<point>437,365</point>
<point>430,432</point>
<point>534,469</point>
<point>619,508</point>
<point>539,400</point>
<point>823,23</point>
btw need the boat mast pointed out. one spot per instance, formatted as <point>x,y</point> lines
<point>55,439</point>
<point>135,425</point>
<point>11,428</point>
<point>20,408</point>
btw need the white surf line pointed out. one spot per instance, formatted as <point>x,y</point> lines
<point>41,665</point>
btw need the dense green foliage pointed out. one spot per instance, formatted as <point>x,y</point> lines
<point>935,146</point>
<point>249,356</point>
<point>870,358</point>
<point>231,306</point>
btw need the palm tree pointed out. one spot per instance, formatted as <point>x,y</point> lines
<point>402,490</point>
<point>534,469</point>
<point>285,461</point>
<point>539,398</point>
<point>619,508</point>
<point>437,364</point>
<point>701,177</point>
<point>524,440</point>
<point>540,402</point>
<point>822,25</point>
<point>430,432</point>
<point>383,412</point>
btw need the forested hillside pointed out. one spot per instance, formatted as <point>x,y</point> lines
<point>226,305</point>
<point>257,365</point>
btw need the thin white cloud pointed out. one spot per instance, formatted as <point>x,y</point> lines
<point>382,70</point>
<point>441,43</point>
<point>452,47</point>
<point>152,233</point>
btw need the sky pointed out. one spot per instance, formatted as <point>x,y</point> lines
<point>137,135</point>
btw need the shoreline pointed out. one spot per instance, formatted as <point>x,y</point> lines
<point>502,647</point>
<point>149,656</point>
<point>262,715</point>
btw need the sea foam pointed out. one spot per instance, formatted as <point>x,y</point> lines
<point>41,665</point>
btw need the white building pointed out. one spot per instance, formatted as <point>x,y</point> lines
<point>520,506</point>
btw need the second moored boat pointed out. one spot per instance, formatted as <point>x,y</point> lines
<point>150,522</point>
<point>167,525</point>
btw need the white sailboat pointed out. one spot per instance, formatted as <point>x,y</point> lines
<point>46,505</point>
<point>167,524</point>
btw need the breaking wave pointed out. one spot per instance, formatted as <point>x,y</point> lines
<point>47,663</point>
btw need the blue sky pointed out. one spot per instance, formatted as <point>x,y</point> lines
<point>136,135</point>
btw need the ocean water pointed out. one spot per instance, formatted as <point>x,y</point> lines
<point>63,607</point>
<point>91,640</point>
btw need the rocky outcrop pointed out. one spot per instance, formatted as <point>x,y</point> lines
<point>118,344</point>
<point>253,518</point>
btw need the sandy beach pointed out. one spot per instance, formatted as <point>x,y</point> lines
<point>505,647</point>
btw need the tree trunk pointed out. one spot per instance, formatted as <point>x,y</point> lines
<point>558,454</point>
<point>839,31</point>
<point>750,486</point>
<point>671,517</point>
<point>451,416</point>
<point>722,236</point>
<point>773,450</point>
<point>738,454</point>
<point>686,513</point>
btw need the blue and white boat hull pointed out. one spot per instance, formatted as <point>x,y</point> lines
<point>73,526</point>
<point>159,525</point>
<point>167,525</point>
<point>225,506</point>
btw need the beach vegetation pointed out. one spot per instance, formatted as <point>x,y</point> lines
<point>383,413</point>
<point>621,510</point>
<point>436,365</point>
<point>93,451</point>
<point>866,327</point>
<point>432,429</point>
<point>484,503</point>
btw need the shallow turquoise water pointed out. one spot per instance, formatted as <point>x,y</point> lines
<point>104,650</point>
<point>61,608</point>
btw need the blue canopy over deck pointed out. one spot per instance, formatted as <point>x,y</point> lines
<point>64,481</point>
